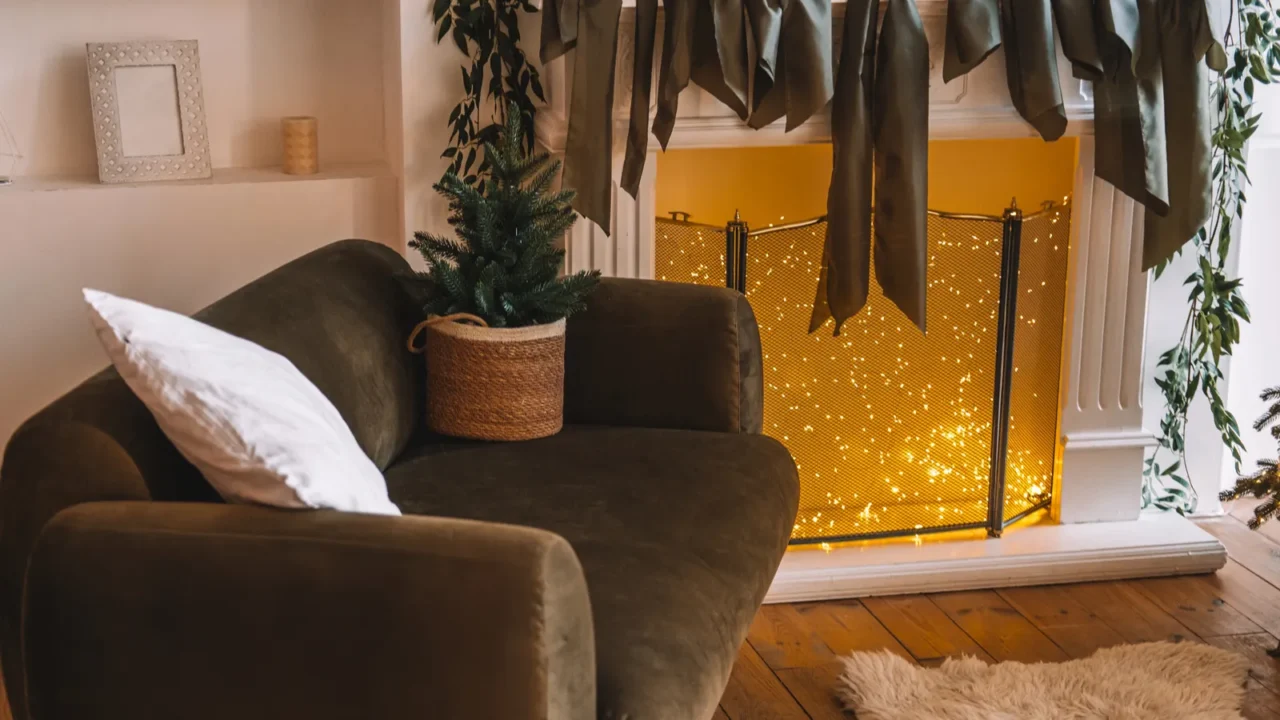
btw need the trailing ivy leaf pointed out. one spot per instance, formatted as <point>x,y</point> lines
<point>1216,308</point>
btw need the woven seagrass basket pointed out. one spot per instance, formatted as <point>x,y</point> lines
<point>492,383</point>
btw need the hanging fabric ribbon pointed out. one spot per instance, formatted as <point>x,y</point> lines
<point>1031,63</point>
<point>846,251</point>
<point>1148,61</point>
<point>900,123</point>
<point>1077,30</point>
<point>794,76</point>
<point>766,59</point>
<point>720,52</point>
<point>973,33</point>
<point>1130,151</point>
<point>1186,39</point>
<point>641,87</point>
<point>590,28</point>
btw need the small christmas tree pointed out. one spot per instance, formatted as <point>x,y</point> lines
<point>504,265</point>
<point>1265,482</point>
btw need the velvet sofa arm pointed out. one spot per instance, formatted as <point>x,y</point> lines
<point>201,611</point>
<point>664,355</point>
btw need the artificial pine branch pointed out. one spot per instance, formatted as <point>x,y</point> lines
<point>504,264</point>
<point>1272,412</point>
<point>1265,481</point>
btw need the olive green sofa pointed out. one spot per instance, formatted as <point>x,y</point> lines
<point>610,571</point>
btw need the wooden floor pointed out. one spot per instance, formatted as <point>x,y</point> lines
<point>788,666</point>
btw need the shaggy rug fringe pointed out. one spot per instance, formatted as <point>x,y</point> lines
<point>1165,681</point>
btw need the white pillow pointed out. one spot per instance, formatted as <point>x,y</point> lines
<point>256,427</point>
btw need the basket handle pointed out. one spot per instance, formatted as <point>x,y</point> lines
<point>435,319</point>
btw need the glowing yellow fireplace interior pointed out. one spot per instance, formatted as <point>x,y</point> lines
<point>891,429</point>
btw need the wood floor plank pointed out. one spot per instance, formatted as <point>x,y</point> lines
<point>843,626</point>
<point>815,689</point>
<point>1001,630</point>
<point>1249,548</point>
<point>1249,594</point>
<point>755,693</point>
<point>784,639</point>
<point>1129,612</point>
<point>1069,624</point>
<point>1254,646</point>
<point>719,715</point>
<point>1260,702</point>
<point>1262,691</point>
<point>1197,603</point>
<point>1242,510</point>
<point>923,628</point>
<point>847,626</point>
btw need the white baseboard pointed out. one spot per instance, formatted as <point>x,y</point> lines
<point>1151,546</point>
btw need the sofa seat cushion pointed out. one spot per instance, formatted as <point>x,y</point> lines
<point>679,534</point>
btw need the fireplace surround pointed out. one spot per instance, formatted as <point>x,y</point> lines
<point>1095,528</point>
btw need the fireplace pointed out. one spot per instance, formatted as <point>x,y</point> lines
<point>1093,527</point>
<point>898,433</point>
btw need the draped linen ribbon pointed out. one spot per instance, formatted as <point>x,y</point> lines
<point>794,76</point>
<point>646,32</point>
<point>1187,42</point>
<point>720,66</point>
<point>1148,61</point>
<point>1076,28</point>
<point>900,124</point>
<point>767,59</point>
<point>590,28</point>
<point>677,64</point>
<point>846,250</point>
<point>1031,64</point>
<point>973,33</point>
<point>762,58</point>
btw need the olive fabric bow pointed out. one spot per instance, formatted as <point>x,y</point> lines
<point>1148,61</point>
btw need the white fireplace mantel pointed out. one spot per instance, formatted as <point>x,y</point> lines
<point>1097,531</point>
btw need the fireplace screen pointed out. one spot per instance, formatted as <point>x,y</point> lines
<point>896,432</point>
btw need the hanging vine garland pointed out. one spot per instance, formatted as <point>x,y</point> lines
<point>487,32</point>
<point>1212,328</point>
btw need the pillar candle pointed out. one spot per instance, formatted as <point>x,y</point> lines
<point>301,146</point>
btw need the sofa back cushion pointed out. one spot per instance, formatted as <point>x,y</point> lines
<point>341,314</point>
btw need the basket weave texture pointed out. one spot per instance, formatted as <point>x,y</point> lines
<point>494,383</point>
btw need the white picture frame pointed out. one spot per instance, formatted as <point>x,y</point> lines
<point>148,111</point>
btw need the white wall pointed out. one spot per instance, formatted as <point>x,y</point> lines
<point>184,245</point>
<point>177,247</point>
<point>1257,359</point>
<point>430,87</point>
<point>1166,313</point>
<point>370,70</point>
<point>260,61</point>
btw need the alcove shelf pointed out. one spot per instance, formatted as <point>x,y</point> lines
<point>221,176</point>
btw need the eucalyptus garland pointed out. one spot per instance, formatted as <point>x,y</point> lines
<point>1216,307</point>
<point>498,76</point>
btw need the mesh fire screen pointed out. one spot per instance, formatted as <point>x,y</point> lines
<point>892,429</point>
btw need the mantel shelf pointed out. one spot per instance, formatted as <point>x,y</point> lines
<point>221,176</point>
<point>926,7</point>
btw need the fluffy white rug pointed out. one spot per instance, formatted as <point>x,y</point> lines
<point>1164,681</point>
